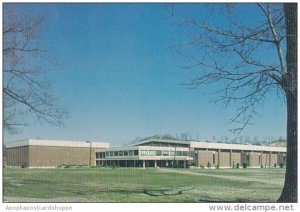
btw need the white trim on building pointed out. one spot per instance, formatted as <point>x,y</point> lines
<point>61,143</point>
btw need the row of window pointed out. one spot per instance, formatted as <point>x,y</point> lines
<point>117,153</point>
<point>155,143</point>
<point>142,153</point>
<point>163,153</point>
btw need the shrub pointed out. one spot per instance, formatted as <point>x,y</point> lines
<point>237,165</point>
<point>281,165</point>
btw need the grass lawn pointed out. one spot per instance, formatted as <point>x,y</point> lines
<point>142,185</point>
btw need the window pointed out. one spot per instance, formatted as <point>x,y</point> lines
<point>214,158</point>
<point>130,153</point>
<point>185,153</point>
<point>121,153</point>
<point>136,152</point>
<point>158,152</point>
<point>97,155</point>
<point>151,153</point>
<point>165,153</point>
<point>100,155</point>
<point>178,153</point>
<point>148,152</point>
<point>172,153</point>
<point>125,153</point>
<point>116,153</point>
<point>107,154</point>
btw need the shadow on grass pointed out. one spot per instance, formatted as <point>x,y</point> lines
<point>210,200</point>
<point>165,192</point>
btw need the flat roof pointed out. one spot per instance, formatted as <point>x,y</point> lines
<point>208,145</point>
<point>104,145</point>
<point>39,142</point>
<point>161,140</point>
<point>144,148</point>
<point>214,145</point>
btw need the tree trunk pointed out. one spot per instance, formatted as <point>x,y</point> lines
<point>289,192</point>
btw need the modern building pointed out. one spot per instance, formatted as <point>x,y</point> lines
<point>144,156</point>
<point>52,153</point>
<point>147,153</point>
<point>170,153</point>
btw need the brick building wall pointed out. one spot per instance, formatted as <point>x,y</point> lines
<point>44,156</point>
<point>235,158</point>
<point>255,159</point>
<point>224,159</point>
<point>17,156</point>
<point>47,153</point>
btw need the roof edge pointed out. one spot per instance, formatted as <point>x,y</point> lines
<point>62,143</point>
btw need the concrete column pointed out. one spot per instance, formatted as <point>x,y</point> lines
<point>198,158</point>
<point>144,164</point>
<point>230,158</point>
<point>241,162</point>
<point>155,164</point>
<point>219,151</point>
<point>206,155</point>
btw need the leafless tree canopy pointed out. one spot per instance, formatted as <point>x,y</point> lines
<point>25,91</point>
<point>231,55</point>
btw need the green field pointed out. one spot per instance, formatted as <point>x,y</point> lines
<point>142,185</point>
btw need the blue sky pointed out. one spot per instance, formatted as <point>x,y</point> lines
<point>120,79</point>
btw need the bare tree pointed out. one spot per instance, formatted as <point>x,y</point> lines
<point>214,138</point>
<point>226,139</point>
<point>184,136</point>
<point>230,55</point>
<point>25,91</point>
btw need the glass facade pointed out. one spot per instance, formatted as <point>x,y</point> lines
<point>165,153</point>
<point>158,152</point>
<point>185,153</point>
